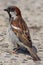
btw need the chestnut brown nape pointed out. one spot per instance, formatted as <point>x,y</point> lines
<point>18,11</point>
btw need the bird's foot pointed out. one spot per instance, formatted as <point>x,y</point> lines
<point>14,52</point>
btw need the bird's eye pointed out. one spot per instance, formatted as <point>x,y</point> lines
<point>12,10</point>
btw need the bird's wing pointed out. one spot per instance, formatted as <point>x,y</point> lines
<point>23,37</point>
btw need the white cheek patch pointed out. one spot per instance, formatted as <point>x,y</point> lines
<point>17,28</point>
<point>13,14</point>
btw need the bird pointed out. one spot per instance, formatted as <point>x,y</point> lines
<point>21,30</point>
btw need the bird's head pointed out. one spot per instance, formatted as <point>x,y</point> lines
<point>13,11</point>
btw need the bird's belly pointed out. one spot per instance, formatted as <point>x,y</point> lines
<point>14,39</point>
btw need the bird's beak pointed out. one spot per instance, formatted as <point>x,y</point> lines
<point>5,10</point>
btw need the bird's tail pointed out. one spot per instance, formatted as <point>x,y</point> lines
<point>32,52</point>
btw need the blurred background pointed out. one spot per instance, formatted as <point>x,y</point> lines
<point>32,12</point>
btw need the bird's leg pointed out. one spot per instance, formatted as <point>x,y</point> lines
<point>15,50</point>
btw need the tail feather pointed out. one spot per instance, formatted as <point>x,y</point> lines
<point>32,53</point>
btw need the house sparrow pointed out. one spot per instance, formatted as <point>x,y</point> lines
<point>20,30</point>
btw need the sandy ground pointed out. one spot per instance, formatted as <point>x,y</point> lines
<point>32,12</point>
